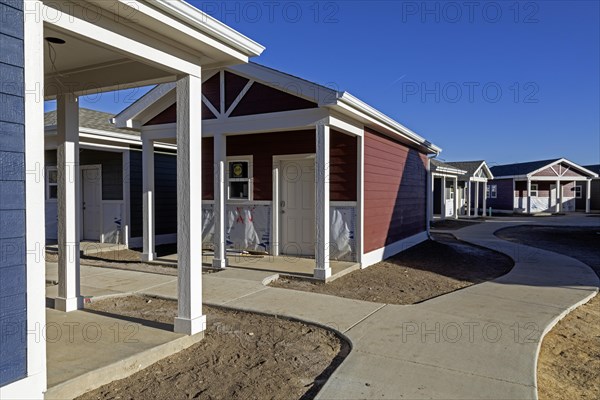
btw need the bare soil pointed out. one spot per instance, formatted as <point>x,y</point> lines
<point>569,361</point>
<point>128,259</point>
<point>454,224</point>
<point>243,356</point>
<point>422,272</point>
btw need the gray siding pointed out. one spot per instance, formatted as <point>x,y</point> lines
<point>112,169</point>
<point>165,181</point>
<point>595,200</point>
<point>504,199</point>
<point>13,274</point>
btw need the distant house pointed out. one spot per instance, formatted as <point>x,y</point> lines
<point>595,190</point>
<point>473,190</point>
<point>540,186</point>
<point>444,183</point>
<point>110,167</point>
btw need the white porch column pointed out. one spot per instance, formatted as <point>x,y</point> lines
<point>558,196</point>
<point>588,195</point>
<point>189,206</point>
<point>485,192</point>
<point>430,180</point>
<point>528,195</point>
<point>69,204</point>
<point>455,197</point>
<point>322,269</point>
<point>443,198</point>
<point>220,151</point>
<point>360,200</point>
<point>469,198</point>
<point>477,198</point>
<point>149,193</point>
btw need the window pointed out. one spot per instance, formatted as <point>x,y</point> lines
<point>51,183</point>
<point>492,191</point>
<point>239,179</point>
<point>534,190</point>
<point>577,191</point>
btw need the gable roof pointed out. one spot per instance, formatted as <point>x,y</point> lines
<point>91,119</point>
<point>594,168</point>
<point>523,168</point>
<point>531,167</point>
<point>439,166</point>
<point>472,167</point>
<point>162,96</point>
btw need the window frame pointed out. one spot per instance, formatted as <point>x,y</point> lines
<point>534,190</point>
<point>578,189</point>
<point>49,184</point>
<point>492,194</point>
<point>250,179</point>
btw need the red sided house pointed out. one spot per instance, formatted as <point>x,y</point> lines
<point>540,186</point>
<point>293,168</point>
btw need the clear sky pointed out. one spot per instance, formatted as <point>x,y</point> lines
<point>503,81</point>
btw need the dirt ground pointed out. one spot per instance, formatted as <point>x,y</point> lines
<point>569,363</point>
<point>243,356</point>
<point>427,270</point>
<point>128,259</point>
<point>454,224</point>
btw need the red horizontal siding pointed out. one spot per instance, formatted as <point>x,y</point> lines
<point>395,191</point>
<point>343,160</point>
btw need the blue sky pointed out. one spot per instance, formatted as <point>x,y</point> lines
<point>503,81</point>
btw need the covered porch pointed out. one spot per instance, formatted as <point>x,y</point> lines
<point>552,195</point>
<point>72,56</point>
<point>282,183</point>
<point>446,199</point>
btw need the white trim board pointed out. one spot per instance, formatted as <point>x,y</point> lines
<point>390,250</point>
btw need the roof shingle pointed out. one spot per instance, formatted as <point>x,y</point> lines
<point>91,119</point>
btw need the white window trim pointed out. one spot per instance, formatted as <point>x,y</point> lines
<point>250,160</point>
<point>492,194</point>
<point>578,191</point>
<point>48,184</point>
<point>534,189</point>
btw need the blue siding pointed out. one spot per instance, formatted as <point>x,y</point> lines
<point>13,274</point>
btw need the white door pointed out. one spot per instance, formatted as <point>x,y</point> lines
<point>91,202</point>
<point>298,207</point>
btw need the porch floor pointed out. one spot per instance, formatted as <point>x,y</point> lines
<point>88,247</point>
<point>297,266</point>
<point>87,349</point>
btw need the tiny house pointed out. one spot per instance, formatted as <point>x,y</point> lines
<point>545,186</point>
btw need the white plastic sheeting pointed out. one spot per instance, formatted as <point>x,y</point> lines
<point>112,214</point>
<point>248,227</point>
<point>342,233</point>
<point>543,204</point>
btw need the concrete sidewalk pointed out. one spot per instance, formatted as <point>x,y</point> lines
<point>478,342</point>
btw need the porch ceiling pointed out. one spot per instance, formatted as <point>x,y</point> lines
<point>84,67</point>
<point>111,45</point>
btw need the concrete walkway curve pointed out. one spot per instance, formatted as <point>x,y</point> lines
<point>478,342</point>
